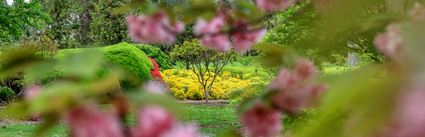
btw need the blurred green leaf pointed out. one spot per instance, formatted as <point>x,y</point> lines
<point>48,122</point>
<point>38,71</point>
<point>205,9</point>
<point>248,11</point>
<point>83,64</point>
<point>15,110</point>
<point>17,60</point>
<point>145,99</point>
<point>230,133</point>
<point>275,55</point>
<point>365,97</point>
<point>413,36</point>
<point>65,94</point>
<point>126,8</point>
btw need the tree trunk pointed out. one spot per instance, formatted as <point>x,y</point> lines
<point>187,66</point>
<point>206,94</point>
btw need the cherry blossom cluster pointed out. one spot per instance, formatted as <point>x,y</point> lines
<point>213,36</point>
<point>391,43</point>
<point>408,119</point>
<point>157,28</point>
<point>291,92</point>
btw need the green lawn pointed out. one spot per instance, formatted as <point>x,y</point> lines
<point>211,119</point>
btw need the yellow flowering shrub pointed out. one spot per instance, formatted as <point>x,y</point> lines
<point>184,84</point>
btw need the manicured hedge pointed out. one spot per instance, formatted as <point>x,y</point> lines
<point>126,55</point>
<point>131,58</point>
<point>163,60</point>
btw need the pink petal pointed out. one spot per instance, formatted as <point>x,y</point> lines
<point>152,122</point>
<point>32,91</point>
<point>89,121</point>
<point>154,28</point>
<point>243,41</point>
<point>261,121</point>
<point>305,69</point>
<point>216,42</point>
<point>203,27</point>
<point>390,43</point>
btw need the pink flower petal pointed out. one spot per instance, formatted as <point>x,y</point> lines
<point>243,41</point>
<point>32,91</point>
<point>216,42</point>
<point>305,69</point>
<point>89,121</point>
<point>261,121</point>
<point>153,28</point>
<point>152,122</point>
<point>390,43</point>
<point>203,27</point>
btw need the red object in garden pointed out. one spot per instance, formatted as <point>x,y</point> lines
<point>155,72</point>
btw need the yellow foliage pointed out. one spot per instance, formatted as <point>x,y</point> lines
<point>184,84</point>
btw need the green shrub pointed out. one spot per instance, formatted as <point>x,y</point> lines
<point>163,60</point>
<point>6,94</point>
<point>130,58</point>
<point>123,54</point>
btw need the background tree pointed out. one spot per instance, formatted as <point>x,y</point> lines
<point>107,28</point>
<point>207,64</point>
<point>64,28</point>
<point>19,18</point>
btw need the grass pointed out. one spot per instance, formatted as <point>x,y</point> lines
<point>27,130</point>
<point>211,119</point>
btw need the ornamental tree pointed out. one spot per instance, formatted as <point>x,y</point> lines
<point>206,63</point>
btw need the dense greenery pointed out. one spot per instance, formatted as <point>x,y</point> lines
<point>6,94</point>
<point>164,61</point>
<point>21,18</point>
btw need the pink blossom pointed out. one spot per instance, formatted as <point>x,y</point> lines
<point>261,121</point>
<point>154,28</point>
<point>411,113</point>
<point>155,87</point>
<point>182,130</point>
<point>305,69</point>
<point>274,5</point>
<point>293,99</point>
<point>284,79</point>
<point>243,41</point>
<point>214,26</point>
<point>153,121</point>
<point>211,35</point>
<point>89,121</point>
<point>218,42</point>
<point>390,43</point>
<point>295,89</point>
<point>32,91</point>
